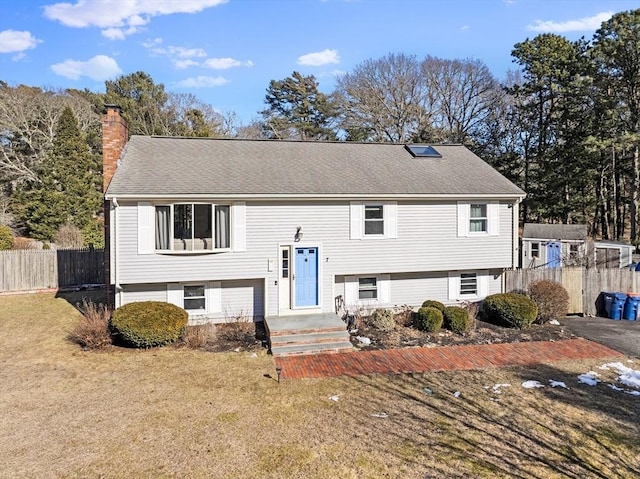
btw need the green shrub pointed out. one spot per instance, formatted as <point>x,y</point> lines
<point>552,300</point>
<point>428,319</point>
<point>430,303</point>
<point>6,238</point>
<point>457,319</point>
<point>510,309</point>
<point>149,323</point>
<point>383,319</point>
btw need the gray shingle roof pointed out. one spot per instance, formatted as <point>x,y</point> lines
<point>557,231</point>
<point>183,166</point>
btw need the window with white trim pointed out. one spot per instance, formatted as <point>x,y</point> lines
<point>194,298</point>
<point>368,288</point>
<point>373,220</point>
<point>478,218</point>
<point>192,227</point>
<point>535,249</point>
<point>468,284</point>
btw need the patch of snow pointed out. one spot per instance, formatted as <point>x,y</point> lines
<point>589,378</point>
<point>334,398</point>
<point>532,384</point>
<point>494,399</point>
<point>557,384</point>
<point>363,340</point>
<point>456,394</point>
<point>380,414</point>
<point>353,331</point>
<point>497,388</point>
<point>614,387</point>
<point>555,322</point>
<point>626,375</point>
<point>633,392</point>
<point>254,355</point>
<point>427,391</point>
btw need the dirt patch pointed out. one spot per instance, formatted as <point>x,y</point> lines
<point>481,333</point>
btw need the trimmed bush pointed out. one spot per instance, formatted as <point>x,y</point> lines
<point>6,238</point>
<point>552,300</point>
<point>149,323</point>
<point>383,319</point>
<point>428,319</point>
<point>457,319</point>
<point>510,309</point>
<point>430,303</point>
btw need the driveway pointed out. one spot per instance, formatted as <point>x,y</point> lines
<point>623,335</point>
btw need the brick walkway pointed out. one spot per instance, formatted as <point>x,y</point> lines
<point>416,360</point>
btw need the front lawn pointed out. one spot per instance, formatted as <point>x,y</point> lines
<point>176,412</point>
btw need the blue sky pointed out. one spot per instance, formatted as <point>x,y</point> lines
<point>226,51</point>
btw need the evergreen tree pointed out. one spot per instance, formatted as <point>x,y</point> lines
<point>298,110</point>
<point>69,190</point>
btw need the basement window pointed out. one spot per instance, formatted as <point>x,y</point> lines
<point>423,151</point>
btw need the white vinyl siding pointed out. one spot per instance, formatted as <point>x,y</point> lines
<point>427,243</point>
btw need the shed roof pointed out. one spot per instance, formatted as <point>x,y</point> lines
<point>554,231</point>
<point>195,166</point>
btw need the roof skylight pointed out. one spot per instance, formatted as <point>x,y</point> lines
<point>426,151</point>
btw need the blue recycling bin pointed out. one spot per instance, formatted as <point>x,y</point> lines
<point>631,306</point>
<point>618,301</point>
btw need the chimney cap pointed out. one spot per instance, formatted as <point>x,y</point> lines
<point>113,106</point>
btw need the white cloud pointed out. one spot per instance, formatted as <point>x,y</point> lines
<point>99,68</point>
<point>182,64</point>
<point>120,18</point>
<point>464,27</point>
<point>579,25</point>
<point>319,58</point>
<point>15,41</point>
<point>225,63</point>
<point>202,82</point>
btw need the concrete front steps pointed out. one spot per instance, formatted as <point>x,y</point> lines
<point>307,334</point>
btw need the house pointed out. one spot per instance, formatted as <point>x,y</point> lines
<point>553,245</point>
<point>229,228</point>
<point>557,245</point>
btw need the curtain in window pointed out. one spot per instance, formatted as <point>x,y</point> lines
<point>163,218</point>
<point>223,237</point>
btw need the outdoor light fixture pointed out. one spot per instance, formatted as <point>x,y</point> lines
<point>278,372</point>
<point>299,233</point>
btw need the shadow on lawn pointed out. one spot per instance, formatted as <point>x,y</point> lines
<point>509,437</point>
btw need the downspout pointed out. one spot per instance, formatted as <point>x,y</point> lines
<point>114,256</point>
<point>516,237</point>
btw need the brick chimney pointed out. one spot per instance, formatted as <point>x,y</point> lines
<point>114,136</point>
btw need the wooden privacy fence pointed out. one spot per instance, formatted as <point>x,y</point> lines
<point>27,270</point>
<point>584,285</point>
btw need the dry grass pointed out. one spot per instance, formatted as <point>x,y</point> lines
<point>176,412</point>
<point>92,331</point>
<point>197,337</point>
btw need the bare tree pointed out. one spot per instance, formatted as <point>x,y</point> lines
<point>385,99</point>
<point>464,92</point>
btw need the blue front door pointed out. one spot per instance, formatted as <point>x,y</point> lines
<point>554,255</point>
<point>306,277</point>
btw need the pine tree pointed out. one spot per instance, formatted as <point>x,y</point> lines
<point>69,187</point>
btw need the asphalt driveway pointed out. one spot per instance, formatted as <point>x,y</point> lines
<point>623,335</point>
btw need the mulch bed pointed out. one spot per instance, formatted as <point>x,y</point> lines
<point>481,333</point>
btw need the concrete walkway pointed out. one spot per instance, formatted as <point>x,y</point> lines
<point>443,358</point>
